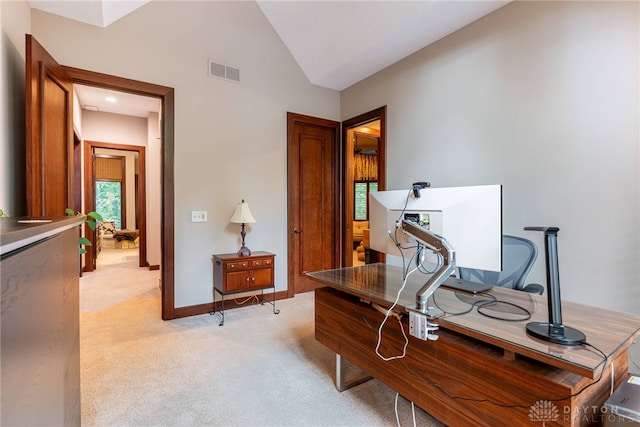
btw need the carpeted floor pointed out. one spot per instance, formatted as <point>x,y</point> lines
<point>259,369</point>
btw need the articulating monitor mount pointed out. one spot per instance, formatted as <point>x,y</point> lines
<point>553,331</point>
<point>436,244</point>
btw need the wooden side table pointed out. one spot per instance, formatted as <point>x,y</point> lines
<point>234,274</point>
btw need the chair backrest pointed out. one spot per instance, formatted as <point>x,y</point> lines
<point>518,256</point>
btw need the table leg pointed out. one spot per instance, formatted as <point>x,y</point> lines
<point>272,303</point>
<point>214,308</point>
<point>340,380</point>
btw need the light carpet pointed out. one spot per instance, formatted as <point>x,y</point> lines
<point>259,369</point>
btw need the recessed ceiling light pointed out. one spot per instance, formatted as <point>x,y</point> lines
<point>111,99</point>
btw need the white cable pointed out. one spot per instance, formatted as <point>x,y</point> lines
<point>612,377</point>
<point>386,316</point>
<point>413,412</point>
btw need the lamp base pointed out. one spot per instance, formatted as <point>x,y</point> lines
<point>244,251</point>
<point>558,334</point>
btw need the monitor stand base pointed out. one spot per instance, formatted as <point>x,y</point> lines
<point>567,335</point>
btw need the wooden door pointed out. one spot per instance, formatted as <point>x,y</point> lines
<point>49,150</point>
<point>313,199</point>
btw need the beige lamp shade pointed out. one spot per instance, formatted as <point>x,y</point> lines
<point>242,214</point>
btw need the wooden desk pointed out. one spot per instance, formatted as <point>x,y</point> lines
<point>481,371</point>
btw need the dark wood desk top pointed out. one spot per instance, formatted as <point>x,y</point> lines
<point>501,324</point>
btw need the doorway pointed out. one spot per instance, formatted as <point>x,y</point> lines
<point>49,95</point>
<point>166,97</point>
<point>364,165</point>
<point>124,165</point>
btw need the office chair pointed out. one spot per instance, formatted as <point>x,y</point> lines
<point>518,256</point>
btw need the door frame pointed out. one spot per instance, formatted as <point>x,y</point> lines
<point>167,215</point>
<point>347,171</point>
<point>90,197</point>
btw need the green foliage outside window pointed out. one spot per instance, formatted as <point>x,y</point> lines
<point>361,199</point>
<point>109,201</point>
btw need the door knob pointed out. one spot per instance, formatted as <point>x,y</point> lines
<point>296,231</point>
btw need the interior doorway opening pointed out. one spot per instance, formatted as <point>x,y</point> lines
<point>165,198</point>
<point>364,171</point>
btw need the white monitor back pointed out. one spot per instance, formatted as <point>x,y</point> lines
<point>470,218</point>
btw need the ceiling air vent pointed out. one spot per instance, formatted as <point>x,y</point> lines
<point>222,71</point>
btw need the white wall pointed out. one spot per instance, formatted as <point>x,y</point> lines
<point>114,128</point>
<point>542,97</point>
<point>230,139</point>
<point>16,21</point>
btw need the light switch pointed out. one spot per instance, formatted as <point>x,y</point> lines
<point>198,216</point>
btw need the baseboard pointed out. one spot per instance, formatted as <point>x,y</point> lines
<point>229,304</point>
<point>154,267</point>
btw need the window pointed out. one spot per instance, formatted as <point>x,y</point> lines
<point>361,199</point>
<point>109,201</point>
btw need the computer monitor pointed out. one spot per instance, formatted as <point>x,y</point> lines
<point>469,218</point>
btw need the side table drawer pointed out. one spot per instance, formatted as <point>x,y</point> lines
<point>235,265</point>
<point>260,263</point>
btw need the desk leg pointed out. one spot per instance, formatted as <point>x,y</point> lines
<point>340,384</point>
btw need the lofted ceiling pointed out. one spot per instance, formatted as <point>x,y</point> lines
<point>335,43</point>
<point>339,43</point>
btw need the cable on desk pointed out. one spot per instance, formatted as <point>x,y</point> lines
<point>480,307</point>
<point>436,266</point>
<point>389,313</point>
<point>471,306</point>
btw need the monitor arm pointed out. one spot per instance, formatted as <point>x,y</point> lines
<point>437,244</point>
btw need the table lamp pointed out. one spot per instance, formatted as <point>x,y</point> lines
<point>242,215</point>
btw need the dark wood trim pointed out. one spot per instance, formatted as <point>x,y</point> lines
<point>77,172</point>
<point>90,202</point>
<point>347,171</point>
<point>154,267</point>
<point>166,96</point>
